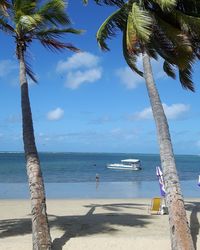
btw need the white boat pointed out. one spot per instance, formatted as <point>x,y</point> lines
<point>127,164</point>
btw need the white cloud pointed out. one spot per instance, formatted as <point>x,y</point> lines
<point>175,111</point>
<point>80,68</point>
<point>144,114</point>
<point>132,80</point>
<point>128,78</point>
<point>55,114</point>
<point>83,59</point>
<point>6,67</point>
<point>75,79</point>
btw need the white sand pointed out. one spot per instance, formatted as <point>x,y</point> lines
<point>120,224</point>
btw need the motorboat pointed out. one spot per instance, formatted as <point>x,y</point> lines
<point>127,164</point>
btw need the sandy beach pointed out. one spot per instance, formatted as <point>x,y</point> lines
<point>95,224</point>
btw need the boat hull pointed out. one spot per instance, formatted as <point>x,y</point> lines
<point>123,167</point>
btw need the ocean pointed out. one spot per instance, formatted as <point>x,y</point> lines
<point>72,175</point>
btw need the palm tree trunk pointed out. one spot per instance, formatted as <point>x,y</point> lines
<point>40,227</point>
<point>179,228</point>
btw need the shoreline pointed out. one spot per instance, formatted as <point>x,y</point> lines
<point>100,190</point>
<point>94,224</point>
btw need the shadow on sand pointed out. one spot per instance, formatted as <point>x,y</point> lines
<point>194,207</point>
<point>82,225</point>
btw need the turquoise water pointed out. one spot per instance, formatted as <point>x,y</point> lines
<point>72,175</point>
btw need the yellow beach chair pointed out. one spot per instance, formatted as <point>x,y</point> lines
<point>156,205</point>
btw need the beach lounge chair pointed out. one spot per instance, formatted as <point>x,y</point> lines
<point>156,205</point>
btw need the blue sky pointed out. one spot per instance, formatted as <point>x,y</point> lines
<point>92,102</point>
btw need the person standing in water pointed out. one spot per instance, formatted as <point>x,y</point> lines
<point>97,180</point>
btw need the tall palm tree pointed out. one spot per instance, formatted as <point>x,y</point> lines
<point>27,21</point>
<point>147,32</point>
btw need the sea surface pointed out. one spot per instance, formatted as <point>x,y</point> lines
<point>72,175</point>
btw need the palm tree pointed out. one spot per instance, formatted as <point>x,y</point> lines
<point>46,22</point>
<point>147,32</point>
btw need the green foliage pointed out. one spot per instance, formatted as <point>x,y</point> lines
<point>118,3</point>
<point>148,25</point>
<point>168,68</point>
<point>108,29</point>
<point>130,58</point>
<point>45,21</point>
<point>141,22</point>
<point>166,5</point>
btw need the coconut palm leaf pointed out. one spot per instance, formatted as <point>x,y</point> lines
<point>131,36</point>
<point>4,5</point>
<point>21,8</point>
<point>110,26</point>
<point>166,5</point>
<point>187,23</point>
<point>190,7</point>
<point>185,77</point>
<point>55,45</point>
<point>168,68</point>
<point>118,3</point>
<point>27,23</point>
<point>29,72</point>
<point>53,12</point>
<point>4,26</point>
<point>142,22</point>
<point>181,43</point>
<point>130,58</point>
<point>29,20</point>
<point>54,33</point>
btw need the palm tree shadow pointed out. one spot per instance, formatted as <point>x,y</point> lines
<point>92,223</point>
<point>82,225</point>
<point>194,207</point>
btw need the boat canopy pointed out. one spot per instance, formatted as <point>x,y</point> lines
<point>131,160</point>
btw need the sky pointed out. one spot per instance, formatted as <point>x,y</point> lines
<point>91,101</point>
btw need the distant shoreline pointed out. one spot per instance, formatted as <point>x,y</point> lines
<point>117,153</point>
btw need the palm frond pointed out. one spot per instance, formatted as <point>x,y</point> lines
<point>187,23</point>
<point>29,22</point>
<point>5,26</point>
<point>181,43</point>
<point>131,37</point>
<point>55,45</point>
<point>4,5</point>
<point>142,22</point>
<point>152,53</point>
<point>168,68</point>
<point>166,5</point>
<point>54,12</point>
<point>56,33</point>
<point>185,77</point>
<point>23,7</point>
<point>130,58</point>
<point>118,3</point>
<point>29,71</point>
<point>110,26</point>
<point>189,7</point>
